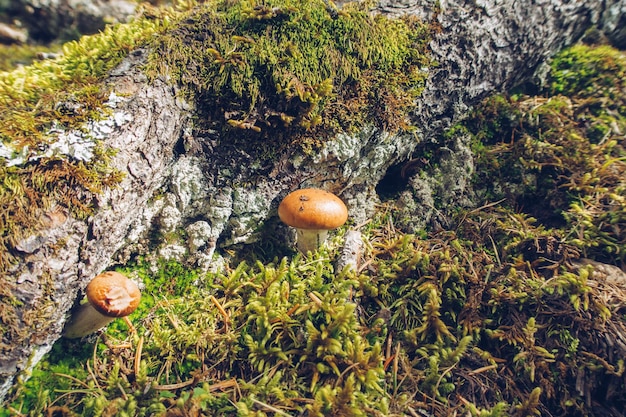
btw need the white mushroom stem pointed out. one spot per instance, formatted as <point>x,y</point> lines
<point>86,320</point>
<point>310,239</point>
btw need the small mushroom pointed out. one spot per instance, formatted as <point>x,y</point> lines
<point>312,212</point>
<point>109,295</point>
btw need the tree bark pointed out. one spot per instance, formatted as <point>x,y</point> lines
<point>485,46</point>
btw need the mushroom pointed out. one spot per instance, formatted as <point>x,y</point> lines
<point>110,295</point>
<point>312,212</point>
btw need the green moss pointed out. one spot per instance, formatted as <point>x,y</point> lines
<point>52,376</point>
<point>589,71</point>
<point>277,70</point>
<point>244,325</point>
<point>562,158</point>
<point>13,56</point>
<point>491,318</point>
<point>31,94</point>
<point>488,320</point>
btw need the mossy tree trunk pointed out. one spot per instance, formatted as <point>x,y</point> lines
<point>216,194</point>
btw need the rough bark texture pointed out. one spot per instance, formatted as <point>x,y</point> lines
<point>219,199</point>
<point>145,128</point>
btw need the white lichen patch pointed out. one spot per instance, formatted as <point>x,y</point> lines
<point>198,234</point>
<point>11,156</point>
<point>169,217</point>
<point>189,186</point>
<point>365,157</point>
<point>438,189</point>
<point>345,147</point>
<point>174,252</point>
<point>141,223</point>
<point>220,209</point>
<point>75,144</point>
<point>251,206</point>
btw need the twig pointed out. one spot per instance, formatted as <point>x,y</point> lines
<point>214,387</point>
<point>315,299</point>
<point>483,369</point>
<point>138,356</point>
<point>396,358</point>
<point>171,387</point>
<point>78,381</point>
<point>270,408</point>
<point>131,327</point>
<point>221,310</point>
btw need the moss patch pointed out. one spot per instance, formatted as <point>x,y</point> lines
<point>13,56</point>
<point>292,71</point>
<point>489,319</point>
<point>562,158</point>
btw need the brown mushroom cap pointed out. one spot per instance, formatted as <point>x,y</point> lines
<point>113,294</point>
<point>312,208</point>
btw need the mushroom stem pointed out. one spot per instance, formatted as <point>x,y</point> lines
<point>85,320</point>
<point>310,239</point>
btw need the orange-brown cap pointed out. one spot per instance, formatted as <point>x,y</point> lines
<point>113,294</point>
<point>312,208</point>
